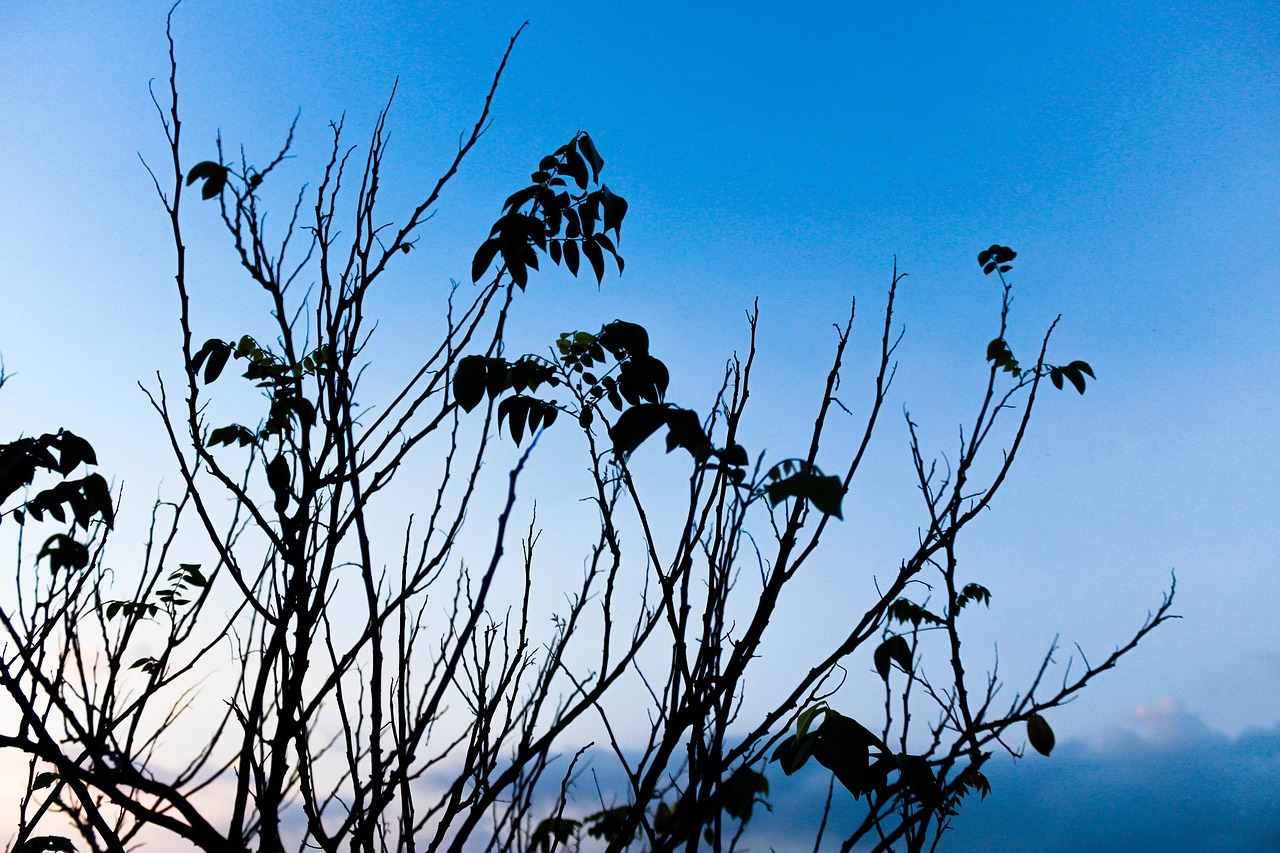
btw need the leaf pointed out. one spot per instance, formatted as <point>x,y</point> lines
<point>484,257</point>
<point>214,176</point>
<point>552,832</point>
<point>1040,735</point>
<point>996,257</point>
<point>684,429</point>
<point>74,450</point>
<point>513,410</point>
<point>918,775</point>
<point>571,256</point>
<point>575,167</point>
<point>624,339</point>
<point>738,794</point>
<point>795,751</point>
<point>191,574</point>
<point>825,493</point>
<point>513,257</point>
<point>643,378</point>
<point>615,210</point>
<point>998,351</point>
<point>973,592</point>
<point>233,434</point>
<point>1074,372</point>
<point>588,149</point>
<point>516,200</point>
<point>637,424</point>
<point>469,382</point>
<point>278,479</point>
<point>44,780</point>
<point>974,780</point>
<point>607,825</point>
<point>63,552</point>
<point>895,650</point>
<point>592,250</point>
<point>905,611</point>
<point>39,843</point>
<point>98,496</point>
<point>844,747</point>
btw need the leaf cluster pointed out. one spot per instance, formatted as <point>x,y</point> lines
<point>551,216</point>
<point>280,379</point>
<point>59,453</point>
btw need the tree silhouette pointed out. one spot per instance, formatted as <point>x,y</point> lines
<point>295,680</point>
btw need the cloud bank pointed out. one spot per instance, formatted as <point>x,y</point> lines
<point>1162,782</point>
<point>1166,783</point>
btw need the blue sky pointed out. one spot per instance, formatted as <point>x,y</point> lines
<point>1129,152</point>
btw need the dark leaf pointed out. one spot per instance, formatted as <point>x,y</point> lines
<point>44,780</point>
<point>40,843</point>
<point>739,793</point>
<point>615,210</point>
<point>469,382</point>
<point>591,249</point>
<point>973,780</point>
<point>575,167</point>
<point>515,410</point>
<point>635,425</point>
<point>217,361</point>
<point>278,481</point>
<point>905,611</point>
<point>214,176</point>
<point>624,339</point>
<point>608,824</point>
<point>895,650</point>
<point>973,592</point>
<point>233,434</point>
<point>734,454</point>
<point>918,775</point>
<point>685,430</point>
<point>484,257</point>
<point>1040,735</point>
<point>643,378</point>
<point>519,198</point>
<point>587,213</point>
<point>571,256</point>
<point>63,552</point>
<point>844,747</point>
<point>552,832</point>
<point>588,149</point>
<point>515,261</point>
<point>825,493</point>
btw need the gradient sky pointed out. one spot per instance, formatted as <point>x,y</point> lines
<point>1129,152</point>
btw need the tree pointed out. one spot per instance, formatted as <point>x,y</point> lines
<point>358,712</point>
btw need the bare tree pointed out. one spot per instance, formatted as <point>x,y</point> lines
<point>232,704</point>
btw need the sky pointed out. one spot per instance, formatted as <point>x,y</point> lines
<point>1129,152</point>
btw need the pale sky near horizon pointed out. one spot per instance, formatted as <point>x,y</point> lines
<point>1129,152</point>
